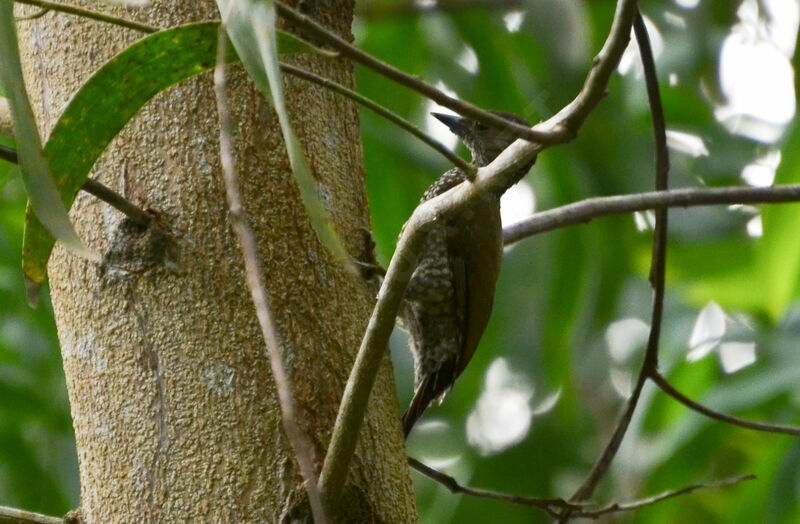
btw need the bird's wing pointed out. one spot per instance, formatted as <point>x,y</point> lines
<point>475,255</point>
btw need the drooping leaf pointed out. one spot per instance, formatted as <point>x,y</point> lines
<point>251,27</point>
<point>36,174</point>
<point>100,109</point>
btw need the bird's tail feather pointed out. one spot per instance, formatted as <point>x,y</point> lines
<point>423,396</point>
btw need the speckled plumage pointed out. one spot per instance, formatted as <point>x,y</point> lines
<point>449,297</point>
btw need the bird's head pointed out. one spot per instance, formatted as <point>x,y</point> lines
<point>484,142</point>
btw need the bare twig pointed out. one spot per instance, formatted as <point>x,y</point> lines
<point>380,110</point>
<point>86,13</point>
<point>619,507</point>
<point>657,270</point>
<point>298,439</point>
<point>19,516</point>
<point>587,210</point>
<point>40,13</point>
<point>495,177</point>
<point>548,505</point>
<point>670,390</point>
<point>104,193</point>
<point>551,506</point>
<point>357,55</point>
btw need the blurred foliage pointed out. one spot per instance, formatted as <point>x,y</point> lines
<point>38,464</point>
<point>557,293</point>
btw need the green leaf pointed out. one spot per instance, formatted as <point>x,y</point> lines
<point>778,263</point>
<point>100,109</point>
<point>36,176</point>
<point>251,26</point>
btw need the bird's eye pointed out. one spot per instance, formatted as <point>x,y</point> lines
<point>481,127</point>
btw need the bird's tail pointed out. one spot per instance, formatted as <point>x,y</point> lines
<point>427,390</point>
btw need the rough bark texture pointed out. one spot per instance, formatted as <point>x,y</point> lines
<point>174,408</point>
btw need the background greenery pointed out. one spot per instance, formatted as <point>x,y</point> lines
<point>558,293</point>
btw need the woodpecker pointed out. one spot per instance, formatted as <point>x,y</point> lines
<point>449,297</point>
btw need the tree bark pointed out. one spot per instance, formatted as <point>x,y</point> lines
<point>175,412</point>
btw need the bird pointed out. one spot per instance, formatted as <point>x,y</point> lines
<point>448,301</point>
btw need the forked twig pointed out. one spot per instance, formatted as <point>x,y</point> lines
<point>578,510</point>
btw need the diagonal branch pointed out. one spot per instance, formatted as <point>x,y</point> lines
<point>381,111</point>
<point>496,177</point>
<point>137,215</point>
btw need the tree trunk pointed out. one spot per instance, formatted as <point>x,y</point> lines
<point>175,412</point>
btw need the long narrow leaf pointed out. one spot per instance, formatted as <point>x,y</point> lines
<point>39,185</point>
<point>100,109</point>
<point>251,27</point>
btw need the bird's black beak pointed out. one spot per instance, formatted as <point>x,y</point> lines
<point>456,124</point>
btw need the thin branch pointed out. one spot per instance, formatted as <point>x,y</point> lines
<point>114,199</point>
<point>20,516</point>
<point>350,51</point>
<point>496,177</point>
<point>8,154</point>
<point>552,505</point>
<point>649,501</point>
<point>657,270</point>
<point>587,210</point>
<point>662,164</point>
<point>298,439</point>
<point>548,505</point>
<point>371,11</point>
<point>104,193</point>
<point>86,13</point>
<point>34,16</point>
<point>380,110</point>
<point>670,390</point>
